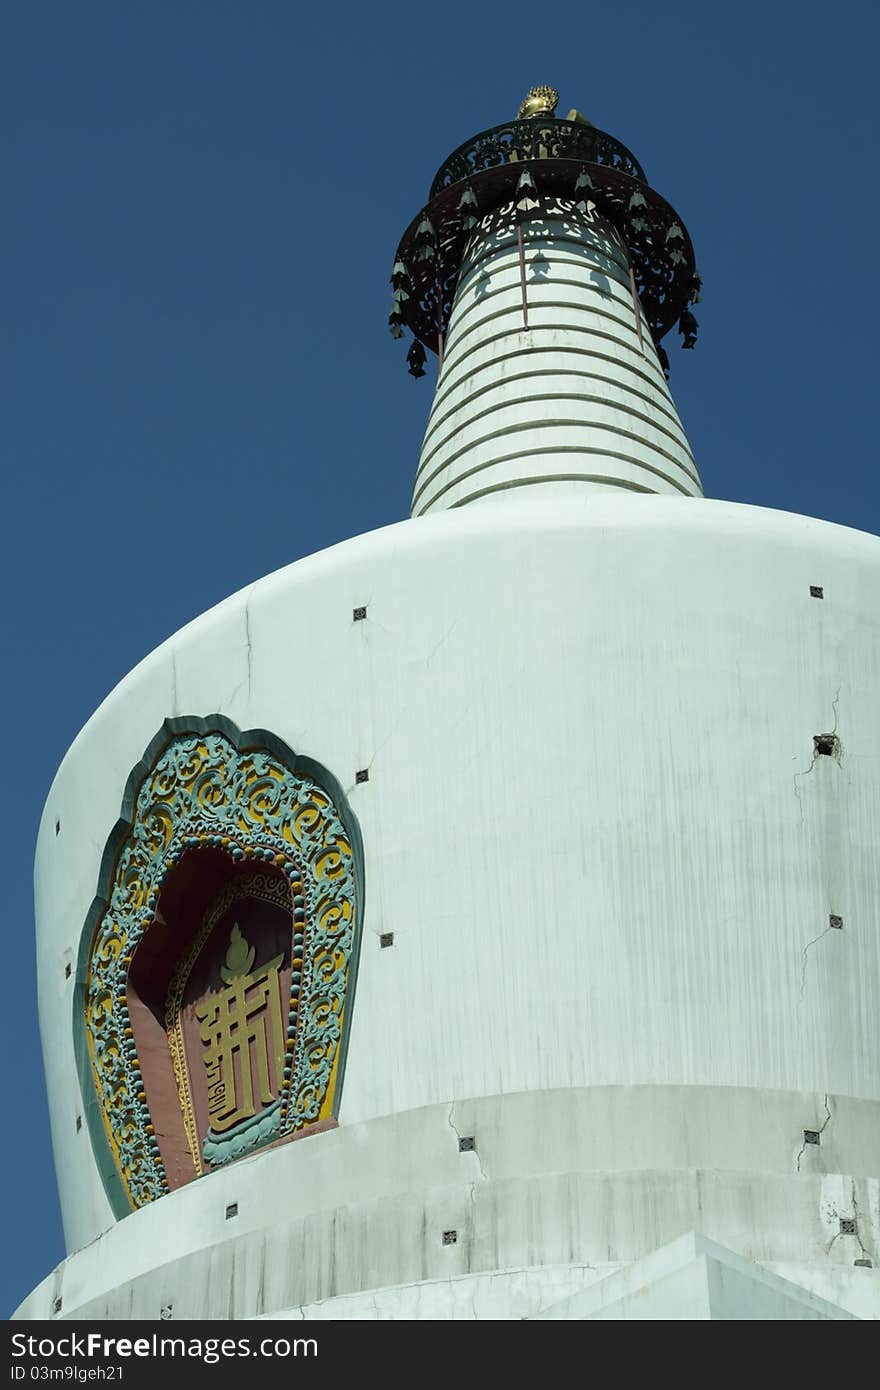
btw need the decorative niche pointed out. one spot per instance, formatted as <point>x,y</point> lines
<point>219,959</point>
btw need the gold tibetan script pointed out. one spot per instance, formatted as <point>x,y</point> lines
<point>244,1020</point>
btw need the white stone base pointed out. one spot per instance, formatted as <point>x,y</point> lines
<point>695,1280</point>
<point>692,1279</point>
<point>561,1190</point>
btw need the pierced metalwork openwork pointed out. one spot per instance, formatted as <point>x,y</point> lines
<point>518,141</point>
<point>568,161</point>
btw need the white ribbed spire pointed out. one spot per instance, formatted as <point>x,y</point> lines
<point>574,398</point>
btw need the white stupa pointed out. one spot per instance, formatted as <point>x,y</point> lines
<point>478,918</point>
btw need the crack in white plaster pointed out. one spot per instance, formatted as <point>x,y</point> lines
<point>834,704</point>
<point>804,960</point>
<point>854,1218</point>
<point>838,757</point>
<point>445,638</point>
<point>248,678</point>
<point>247,638</point>
<point>820,1132</point>
<point>857,1232</point>
<point>361,623</point>
<point>369,765</point>
<point>475,1150</point>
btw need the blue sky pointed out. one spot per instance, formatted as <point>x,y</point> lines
<point>203,199</point>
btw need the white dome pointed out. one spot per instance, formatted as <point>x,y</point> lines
<point>609,853</point>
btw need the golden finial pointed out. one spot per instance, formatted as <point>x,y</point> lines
<point>239,957</point>
<point>541,101</point>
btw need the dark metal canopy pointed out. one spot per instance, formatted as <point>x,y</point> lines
<point>566,159</point>
<point>535,139</point>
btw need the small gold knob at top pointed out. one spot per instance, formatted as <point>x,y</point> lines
<point>541,101</point>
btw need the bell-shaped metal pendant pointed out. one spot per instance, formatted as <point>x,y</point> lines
<point>399,276</point>
<point>426,239</point>
<point>526,193</point>
<point>687,327</point>
<point>637,223</point>
<point>416,359</point>
<point>395,318</point>
<point>583,186</point>
<point>425,231</point>
<point>467,210</point>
